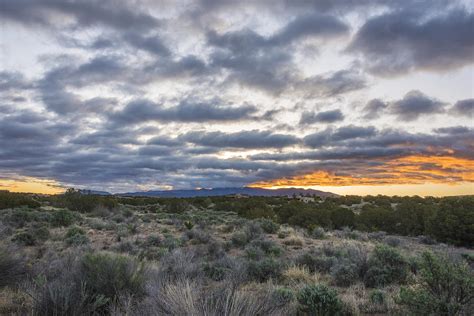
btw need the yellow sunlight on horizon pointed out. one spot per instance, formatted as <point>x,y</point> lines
<point>31,185</point>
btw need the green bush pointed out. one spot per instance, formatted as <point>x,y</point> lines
<point>269,247</point>
<point>12,200</point>
<point>318,233</point>
<point>239,239</point>
<point>216,271</point>
<point>25,238</point>
<point>344,273</point>
<point>446,287</point>
<point>377,297</point>
<point>62,218</point>
<point>188,224</point>
<point>269,226</point>
<point>76,236</point>
<point>283,296</point>
<point>40,232</point>
<point>316,262</point>
<point>319,300</point>
<point>75,230</point>
<point>264,269</point>
<point>386,266</point>
<point>111,276</point>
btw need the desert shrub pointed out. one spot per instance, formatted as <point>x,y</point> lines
<point>11,200</point>
<point>77,240</point>
<point>219,269</point>
<point>74,230</point>
<point>316,262</point>
<point>253,230</point>
<point>40,232</point>
<point>64,291</point>
<point>427,240</point>
<point>283,296</point>
<point>392,241</point>
<point>185,297</point>
<point>377,297</point>
<point>25,238</point>
<point>319,300</point>
<point>215,249</point>
<point>254,252</point>
<point>198,236</point>
<point>111,276</point>
<point>265,269</point>
<point>100,224</point>
<point>267,246</point>
<point>378,236</point>
<point>19,217</point>
<point>239,239</point>
<point>293,240</point>
<point>126,247</point>
<point>181,264</point>
<point>82,202</point>
<point>100,211</point>
<point>269,226</point>
<point>12,267</point>
<point>318,233</point>
<point>188,224</point>
<point>62,218</point>
<point>170,242</point>
<point>446,287</point>
<point>67,296</point>
<point>385,266</point>
<point>153,241</point>
<point>344,273</point>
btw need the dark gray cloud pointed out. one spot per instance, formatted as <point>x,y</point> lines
<point>414,104</point>
<point>85,13</point>
<point>126,90</point>
<point>330,136</point>
<point>374,108</point>
<point>463,108</point>
<point>406,40</point>
<point>265,62</point>
<point>321,117</point>
<point>139,111</point>
<point>244,139</point>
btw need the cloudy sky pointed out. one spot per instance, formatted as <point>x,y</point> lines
<point>350,96</point>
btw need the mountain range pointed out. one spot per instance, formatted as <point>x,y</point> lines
<point>231,191</point>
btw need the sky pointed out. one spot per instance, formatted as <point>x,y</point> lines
<point>353,97</point>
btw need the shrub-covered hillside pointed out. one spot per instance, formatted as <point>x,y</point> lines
<point>76,254</point>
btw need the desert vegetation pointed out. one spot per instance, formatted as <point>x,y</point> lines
<point>76,254</point>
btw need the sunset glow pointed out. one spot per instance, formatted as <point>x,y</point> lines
<point>421,171</point>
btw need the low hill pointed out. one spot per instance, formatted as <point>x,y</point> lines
<point>231,191</point>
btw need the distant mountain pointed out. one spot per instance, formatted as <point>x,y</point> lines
<point>231,191</point>
<point>94,192</point>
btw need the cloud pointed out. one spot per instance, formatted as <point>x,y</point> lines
<point>321,117</point>
<point>332,84</point>
<point>264,61</point>
<point>245,139</point>
<point>463,108</point>
<point>84,13</point>
<point>332,136</point>
<point>403,41</point>
<point>414,104</point>
<point>143,110</point>
<point>374,108</point>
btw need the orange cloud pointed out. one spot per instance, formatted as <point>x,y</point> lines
<point>405,170</point>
